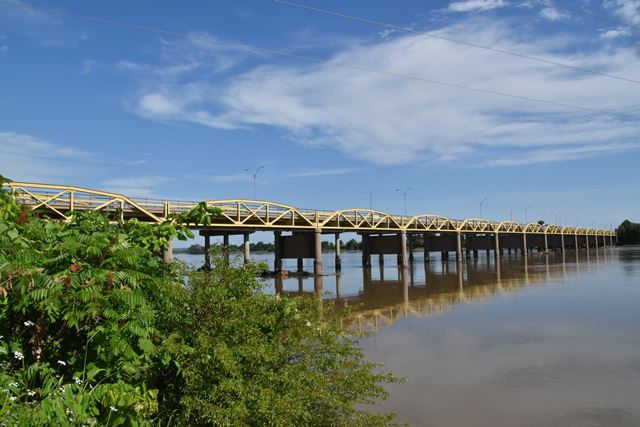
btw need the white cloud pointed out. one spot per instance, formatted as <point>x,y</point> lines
<point>547,155</point>
<point>141,186</point>
<point>28,158</point>
<point>37,26</point>
<point>615,33</point>
<point>321,172</point>
<point>476,5</point>
<point>234,177</point>
<point>552,14</point>
<point>629,10</point>
<point>388,120</point>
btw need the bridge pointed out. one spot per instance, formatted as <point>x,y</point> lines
<point>382,232</point>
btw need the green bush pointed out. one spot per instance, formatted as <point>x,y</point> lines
<point>95,329</point>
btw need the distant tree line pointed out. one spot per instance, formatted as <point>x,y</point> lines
<point>197,249</point>
<point>628,233</point>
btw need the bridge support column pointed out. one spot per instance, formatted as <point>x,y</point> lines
<point>425,248</point>
<point>366,255</point>
<point>546,243</point>
<point>247,248</point>
<point>167,253</point>
<point>381,260</point>
<point>317,262</point>
<point>300,265</point>
<point>562,242</point>
<point>575,236</point>
<point>410,243</point>
<point>225,247</point>
<point>459,247</point>
<point>277,263</point>
<point>475,254</point>
<point>207,252</point>
<point>338,257</point>
<point>497,243</point>
<point>525,250</point>
<point>403,261</point>
<point>596,239</point>
<point>586,237</point>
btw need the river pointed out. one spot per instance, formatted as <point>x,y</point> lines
<point>547,340</point>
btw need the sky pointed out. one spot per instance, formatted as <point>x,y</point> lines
<point>518,104</point>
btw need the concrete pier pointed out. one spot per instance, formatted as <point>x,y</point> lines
<point>247,248</point>
<point>207,252</point>
<point>337,243</point>
<point>317,261</point>
<point>403,250</point>
<point>277,263</point>
<point>225,247</point>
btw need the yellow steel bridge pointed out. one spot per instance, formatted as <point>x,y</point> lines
<point>57,201</point>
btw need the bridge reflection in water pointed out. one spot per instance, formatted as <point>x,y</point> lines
<point>389,294</point>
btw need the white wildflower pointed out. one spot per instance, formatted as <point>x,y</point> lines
<point>62,362</point>
<point>31,393</point>
<point>308,323</point>
<point>13,384</point>
<point>61,389</point>
<point>13,398</point>
<point>78,381</point>
<point>29,323</point>
<point>114,409</point>
<point>18,355</point>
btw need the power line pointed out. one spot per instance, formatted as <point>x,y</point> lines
<point>452,40</point>
<point>589,13</point>
<point>257,49</point>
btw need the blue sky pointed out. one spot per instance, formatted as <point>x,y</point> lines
<point>155,115</point>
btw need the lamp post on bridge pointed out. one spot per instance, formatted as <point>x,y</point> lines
<point>526,209</point>
<point>404,195</point>
<point>480,202</point>
<point>254,174</point>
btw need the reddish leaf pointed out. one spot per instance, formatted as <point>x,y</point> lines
<point>23,214</point>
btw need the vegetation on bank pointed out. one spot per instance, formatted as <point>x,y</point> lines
<point>96,330</point>
<point>628,233</point>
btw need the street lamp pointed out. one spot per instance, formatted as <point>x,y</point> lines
<point>480,202</point>
<point>404,195</point>
<point>254,174</point>
<point>526,209</point>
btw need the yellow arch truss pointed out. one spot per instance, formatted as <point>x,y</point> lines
<point>57,201</point>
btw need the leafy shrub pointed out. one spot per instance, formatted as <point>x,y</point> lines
<point>95,329</point>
